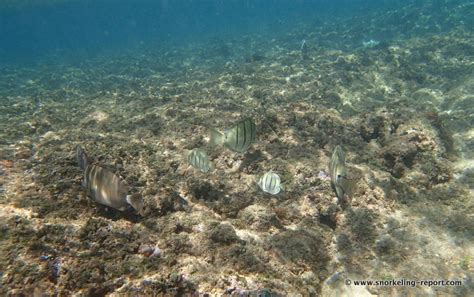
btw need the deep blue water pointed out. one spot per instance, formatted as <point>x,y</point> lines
<point>62,29</point>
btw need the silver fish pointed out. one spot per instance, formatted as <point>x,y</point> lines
<point>199,159</point>
<point>338,172</point>
<point>270,183</point>
<point>105,187</point>
<point>238,138</point>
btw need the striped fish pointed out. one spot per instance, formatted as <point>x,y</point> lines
<point>199,159</point>
<point>338,172</point>
<point>238,138</point>
<point>105,187</point>
<point>270,183</point>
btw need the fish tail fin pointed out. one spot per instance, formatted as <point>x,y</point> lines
<point>136,202</point>
<point>82,158</point>
<point>217,138</point>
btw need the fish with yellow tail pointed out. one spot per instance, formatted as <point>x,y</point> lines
<point>106,187</point>
<point>238,138</point>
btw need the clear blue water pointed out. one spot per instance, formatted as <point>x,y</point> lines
<point>66,29</point>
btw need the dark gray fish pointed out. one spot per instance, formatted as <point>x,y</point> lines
<point>199,159</point>
<point>238,138</point>
<point>105,187</point>
<point>338,172</point>
<point>270,183</point>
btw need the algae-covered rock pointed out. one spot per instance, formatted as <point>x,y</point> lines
<point>361,223</point>
<point>259,218</point>
<point>222,233</point>
<point>303,248</point>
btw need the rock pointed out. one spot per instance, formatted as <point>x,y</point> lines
<point>259,218</point>
<point>222,233</point>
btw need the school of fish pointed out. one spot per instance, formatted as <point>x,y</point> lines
<point>107,188</point>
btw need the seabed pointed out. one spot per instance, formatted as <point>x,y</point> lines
<point>402,109</point>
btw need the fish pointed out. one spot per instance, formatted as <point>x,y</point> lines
<point>270,183</point>
<point>238,138</point>
<point>338,173</point>
<point>106,187</point>
<point>303,47</point>
<point>199,159</point>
